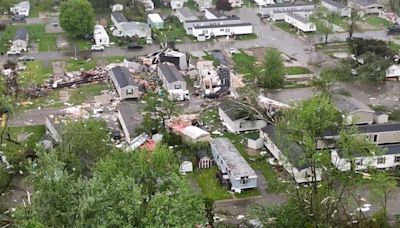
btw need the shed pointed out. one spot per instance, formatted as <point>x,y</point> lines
<point>117,7</point>
<point>380,118</point>
<point>195,134</point>
<point>355,111</point>
<point>255,142</point>
<point>155,21</point>
<point>186,165</point>
<point>203,160</point>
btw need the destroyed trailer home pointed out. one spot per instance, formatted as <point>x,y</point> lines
<point>124,83</point>
<point>179,59</point>
<point>213,81</point>
<point>236,117</point>
<point>129,118</point>
<point>290,155</point>
<point>234,171</point>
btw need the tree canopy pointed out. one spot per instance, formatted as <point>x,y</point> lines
<point>271,74</point>
<point>223,5</point>
<point>121,189</point>
<point>77,17</point>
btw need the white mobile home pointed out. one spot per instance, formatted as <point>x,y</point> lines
<point>123,82</point>
<point>203,4</point>
<point>387,133</point>
<point>20,41</point>
<point>155,21</point>
<point>189,24</point>
<point>232,166</point>
<point>100,36</point>
<point>237,119</point>
<point>21,8</point>
<point>300,22</point>
<point>208,31</point>
<point>171,78</point>
<point>279,15</point>
<point>265,11</point>
<point>292,159</point>
<point>365,6</point>
<point>337,7</point>
<point>389,159</point>
<point>354,111</point>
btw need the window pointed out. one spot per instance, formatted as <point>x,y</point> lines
<point>129,92</point>
<point>381,160</point>
<point>397,159</point>
<point>177,86</point>
<point>244,180</point>
<point>359,162</point>
<point>221,30</point>
<point>375,138</point>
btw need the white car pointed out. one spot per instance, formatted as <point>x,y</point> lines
<point>234,51</point>
<point>97,48</point>
<point>13,52</point>
<point>26,58</point>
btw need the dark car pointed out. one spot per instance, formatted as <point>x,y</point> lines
<point>394,30</point>
<point>134,46</point>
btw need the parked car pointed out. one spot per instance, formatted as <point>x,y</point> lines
<point>26,58</point>
<point>12,52</point>
<point>134,46</point>
<point>394,30</point>
<point>97,48</point>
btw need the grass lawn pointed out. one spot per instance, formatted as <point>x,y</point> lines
<point>85,92</point>
<point>51,100</point>
<point>378,22</point>
<point>173,31</point>
<point>81,44</point>
<point>45,41</point>
<point>285,27</point>
<point>36,73</point>
<point>115,59</point>
<point>16,153</point>
<point>296,70</point>
<point>34,11</point>
<point>210,57</point>
<point>247,37</point>
<point>191,5</point>
<point>247,193</point>
<point>395,47</point>
<point>210,117</point>
<point>330,48</point>
<point>249,3</point>
<point>274,185</point>
<point>209,184</point>
<point>75,65</point>
<point>245,64</point>
<point>339,21</point>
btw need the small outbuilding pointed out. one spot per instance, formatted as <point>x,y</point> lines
<point>186,165</point>
<point>203,160</point>
<point>195,134</point>
<point>155,21</point>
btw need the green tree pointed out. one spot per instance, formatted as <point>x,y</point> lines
<point>161,108</point>
<point>330,202</point>
<point>77,17</point>
<point>271,74</point>
<point>325,28</point>
<point>45,5</point>
<point>373,69</point>
<point>223,5</point>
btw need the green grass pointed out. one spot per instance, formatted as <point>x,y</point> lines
<point>378,22</point>
<point>285,27</point>
<point>249,3</point>
<point>51,100</point>
<point>85,92</point>
<point>75,65</point>
<point>395,47</point>
<point>247,193</point>
<point>173,31</point>
<point>210,117</point>
<point>16,153</point>
<point>36,73</point>
<point>115,59</point>
<point>247,37</point>
<point>45,41</point>
<point>209,185</point>
<point>34,11</point>
<point>339,21</point>
<point>296,70</point>
<point>330,48</point>
<point>210,57</point>
<point>274,185</point>
<point>81,44</point>
<point>191,5</point>
<point>246,65</point>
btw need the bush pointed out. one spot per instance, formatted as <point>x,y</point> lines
<point>5,179</point>
<point>3,27</point>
